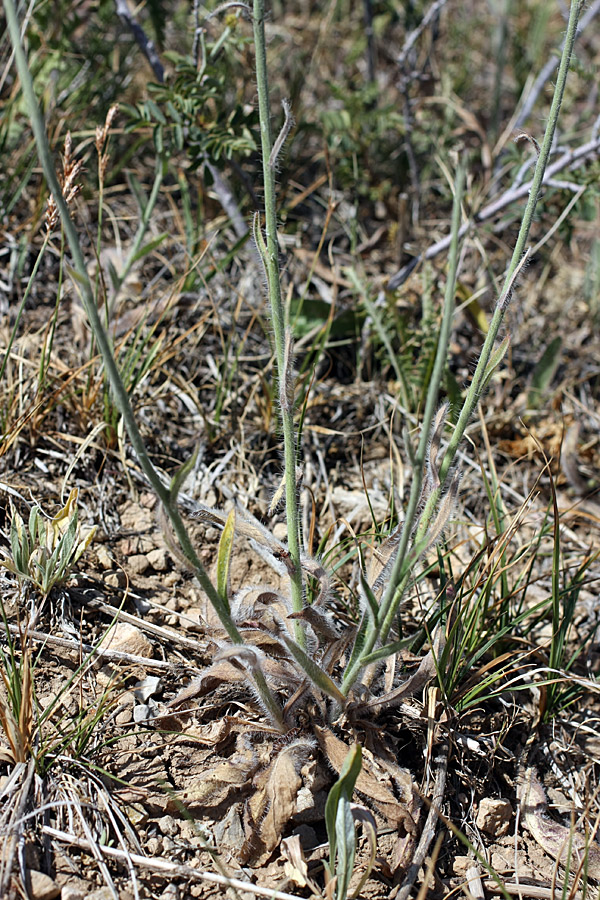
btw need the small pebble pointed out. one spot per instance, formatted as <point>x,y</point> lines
<point>494,816</point>
<point>154,846</point>
<point>159,559</point>
<point>128,639</point>
<point>42,886</point>
<point>138,564</point>
<point>116,579</point>
<point>168,825</point>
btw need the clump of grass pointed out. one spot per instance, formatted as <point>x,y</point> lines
<point>44,551</point>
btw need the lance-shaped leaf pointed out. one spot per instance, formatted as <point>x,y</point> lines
<point>496,358</point>
<point>182,473</point>
<point>437,430</point>
<point>369,596</point>
<point>359,641</point>
<point>389,650</point>
<point>224,558</point>
<point>340,823</point>
<point>315,674</point>
<point>441,520</point>
<point>366,818</point>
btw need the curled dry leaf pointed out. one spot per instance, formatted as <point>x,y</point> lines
<point>224,672</point>
<point>564,844</point>
<point>368,784</point>
<point>224,782</point>
<point>295,865</point>
<point>274,801</point>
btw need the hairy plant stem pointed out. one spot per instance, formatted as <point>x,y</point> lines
<point>475,389</point>
<point>277,312</point>
<point>400,576</point>
<point>102,340</point>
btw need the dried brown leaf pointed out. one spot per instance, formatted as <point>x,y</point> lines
<point>225,781</point>
<point>367,782</point>
<point>274,802</point>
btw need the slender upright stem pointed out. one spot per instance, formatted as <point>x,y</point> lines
<point>400,575</point>
<point>475,389</point>
<point>277,312</point>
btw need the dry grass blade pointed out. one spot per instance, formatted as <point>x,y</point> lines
<point>173,870</point>
<point>11,823</point>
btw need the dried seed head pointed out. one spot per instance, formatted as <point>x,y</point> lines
<point>68,182</point>
<point>103,130</point>
<point>102,133</point>
<point>243,656</point>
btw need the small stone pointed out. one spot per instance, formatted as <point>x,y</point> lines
<point>168,825</point>
<point>136,518</point>
<point>494,816</point>
<point>171,892</point>
<point>460,865</point>
<point>159,559</point>
<point>142,713</point>
<point>104,561</point>
<point>106,675</point>
<point>170,579</point>
<point>42,886</point>
<point>101,894</point>
<point>124,717</point>
<point>145,689</point>
<point>153,846</point>
<point>72,892</point>
<point>116,579</point>
<point>136,814</point>
<point>194,619</point>
<point>501,864</point>
<point>45,700</point>
<point>138,564</point>
<point>128,639</point>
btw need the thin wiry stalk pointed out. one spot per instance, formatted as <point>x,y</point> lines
<point>398,579</point>
<point>87,296</point>
<point>22,305</point>
<point>400,575</point>
<point>474,392</point>
<point>271,261</point>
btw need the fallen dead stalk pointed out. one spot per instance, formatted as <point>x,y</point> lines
<point>172,870</point>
